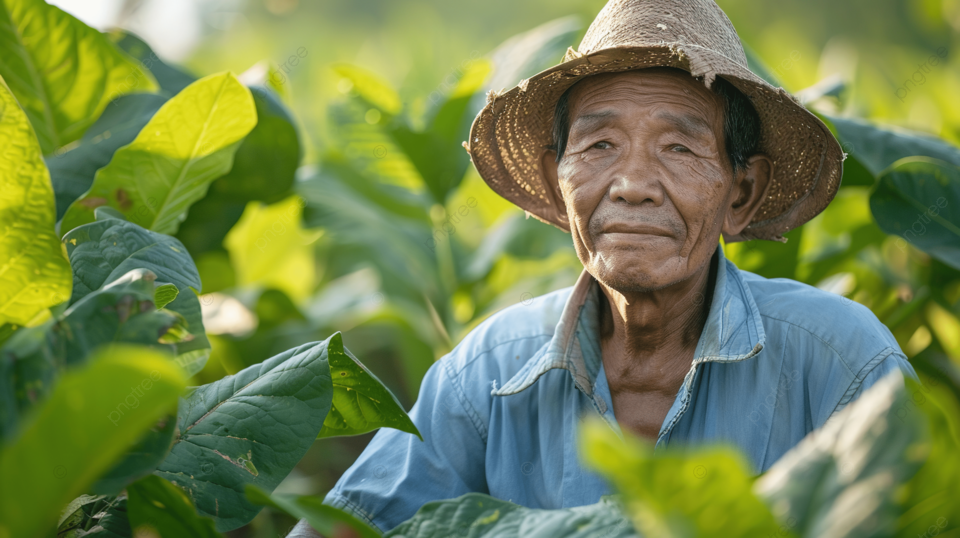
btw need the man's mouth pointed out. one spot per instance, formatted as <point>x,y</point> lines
<point>635,229</point>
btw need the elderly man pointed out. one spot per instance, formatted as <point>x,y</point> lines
<point>647,145</point>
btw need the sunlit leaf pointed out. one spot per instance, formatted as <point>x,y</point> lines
<point>101,409</point>
<point>370,87</point>
<point>62,71</point>
<point>186,145</point>
<point>361,402</point>
<point>33,272</point>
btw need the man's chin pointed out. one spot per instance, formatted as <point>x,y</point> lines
<point>636,275</point>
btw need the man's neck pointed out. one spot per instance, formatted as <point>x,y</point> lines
<point>649,335</point>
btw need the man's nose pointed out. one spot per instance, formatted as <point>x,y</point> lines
<point>638,179</point>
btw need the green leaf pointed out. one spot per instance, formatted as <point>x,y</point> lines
<point>879,147</point>
<point>371,88</point>
<point>164,294</point>
<point>248,428</point>
<point>186,145</point>
<point>698,492</point>
<point>73,169</point>
<point>62,71</point>
<point>98,414</point>
<point>156,503</point>
<point>843,480</point>
<point>324,519</point>
<point>33,272</point>
<point>103,251</point>
<point>917,199</point>
<point>361,402</point>
<point>172,79</point>
<point>479,516</point>
<point>142,458</point>
<point>95,516</point>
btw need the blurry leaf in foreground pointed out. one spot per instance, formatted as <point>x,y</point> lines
<point>919,199</point>
<point>33,272</point>
<point>701,492</point>
<point>142,458</point>
<point>94,408</point>
<point>481,516</point>
<point>62,71</point>
<point>248,428</point>
<point>323,518</point>
<point>154,502</point>
<point>186,145</point>
<point>843,479</point>
<point>361,402</point>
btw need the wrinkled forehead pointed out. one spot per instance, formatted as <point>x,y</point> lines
<point>660,87</point>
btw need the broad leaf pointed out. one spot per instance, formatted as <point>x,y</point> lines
<point>361,402</point>
<point>481,516</point>
<point>701,492</point>
<point>33,272</point>
<point>101,409</point>
<point>103,251</point>
<point>186,145</point>
<point>324,519</point>
<point>72,171</point>
<point>95,516</point>
<point>153,502</point>
<point>248,428</point>
<point>62,71</point>
<point>172,80</point>
<point>843,480</point>
<point>879,147</point>
<point>917,200</point>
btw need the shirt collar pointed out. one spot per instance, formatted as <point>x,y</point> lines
<point>733,332</point>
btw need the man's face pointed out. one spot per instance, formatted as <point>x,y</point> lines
<point>645,177</point>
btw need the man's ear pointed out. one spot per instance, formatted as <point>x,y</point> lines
<point>749,191</point>
<point>550,166</point>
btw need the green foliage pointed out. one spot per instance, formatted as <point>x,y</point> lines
<point>478,515</point>
<point>104,250</point>
<point>678,494</point>
<point>360,401</point>
<point>153,502</point>
<point>323,518</point>
<point>42,473</point>
<point>249,428</point>
<point>34,274</point>
<point>62,71</point>
<point>187,144</point>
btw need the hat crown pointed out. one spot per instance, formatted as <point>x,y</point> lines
<point>640,23</point>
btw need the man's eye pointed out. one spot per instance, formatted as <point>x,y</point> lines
<point>680,149</point>
<point>601,145</point>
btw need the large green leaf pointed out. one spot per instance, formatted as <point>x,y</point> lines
<point>325,519</point>
<point>94,414</point>
<point>678,493</point>
<point>172,79</point>
<point>917,199</point>
<point>844,479</point>
<point>479,516</point>
<point>62,71</point>
<point>361,402</point>
<point>186,145</point>
<point>879,147</point>
<point>248,428</point>
<point>33,272</point>
<point>103,251</point>
<point>158,504</point>
<point>72,171</point>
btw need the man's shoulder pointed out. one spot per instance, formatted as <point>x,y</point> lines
<point>847,327</point>
<point>509,337</point>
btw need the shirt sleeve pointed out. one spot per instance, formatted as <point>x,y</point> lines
<point>397,472</point>
<point>890,362</point>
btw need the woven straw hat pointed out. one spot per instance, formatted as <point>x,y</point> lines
<point>511,133</point>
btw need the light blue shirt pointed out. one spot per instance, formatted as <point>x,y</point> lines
<point>499,413</point>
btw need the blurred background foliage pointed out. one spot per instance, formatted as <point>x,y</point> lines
<point>388,234</point>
